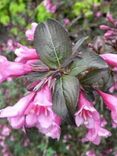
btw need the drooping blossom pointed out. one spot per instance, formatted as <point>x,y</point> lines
<point>49,6</point>
<point>53,130</point>
<point>111,103</point>
<point>10,69</point>
<point>25,54</point>
<point>34,110</point>
<point>110,35</point>
<point>30,32</point>
<point>86,114</point>
<point>111,59</point>
<point>89,116</point>
<point>95,134</point>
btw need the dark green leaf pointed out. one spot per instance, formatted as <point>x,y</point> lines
<point>100,79</point>
<point>86,61</point>
<point>52,42</point>
<point>78,44</point>
<point>65,96</point>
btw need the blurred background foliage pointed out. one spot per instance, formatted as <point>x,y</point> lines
<point>84,18</point>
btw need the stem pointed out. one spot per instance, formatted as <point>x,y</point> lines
<point>46,146</point>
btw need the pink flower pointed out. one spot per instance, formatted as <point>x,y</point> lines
<point>34,110</point>
<point>30,32</point>
<point>53,130</point>
<point>6,131</point>
<point>95,134</point>
<point>110,18</point>
<point>98,14</point>
<point>66,21</point>
<point>111,59</point>
<point>108,34</point>
<point>10,69</point>
<point>25,54</point>
<point>104,27</point>
<point>49,6</point>
<point>90,153</point>
<point>86,114</point>
<point>111,102</point>
<point>89,116</point>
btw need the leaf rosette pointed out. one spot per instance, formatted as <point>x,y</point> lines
<point>66,64</point>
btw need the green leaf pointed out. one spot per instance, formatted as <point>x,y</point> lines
<point>65,96</point>
<point>16,7</point>
<point>4,19</point>
<point>52,42</point>
<point>42,14</point>
<point>3,4</point>
<point>87,60</point>
<point>78,44</point>
<point>101,79</point>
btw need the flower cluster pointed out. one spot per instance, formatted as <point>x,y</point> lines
<point>110,35</point>
<point>110,38</point>
<point>35,109</point>
<point>90,118</point>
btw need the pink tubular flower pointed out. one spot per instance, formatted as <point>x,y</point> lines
<point>110,18</point>
<point>108,34</point>
<point>49,6</point>
<point>25,54</point>
<point>10,69</point>
<point>30,32</point>
<point>34,110</point>
<point>53,130</point>
<point>111,102</point>
<point>111,59</point>
<point>104,27</point>
<point>86,114</point>
<point>95,134</point>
